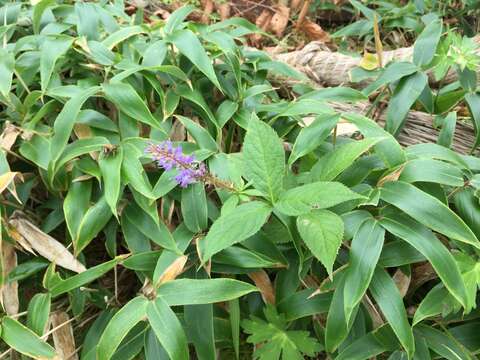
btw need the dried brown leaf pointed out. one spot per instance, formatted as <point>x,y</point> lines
<point>402,281</point>
<point>262,22</point>
<point>9,136</point>
<point>207,11</point>
<point>296,4</point>
<point>280,20</point>
<point>173,270</point>
<point>7,182</point>
<point>9,291</point>
<point>43,244</point>
<point>314,31</point>
<point>263,283</point>
<point>63,338</point>
<point>223,10</point>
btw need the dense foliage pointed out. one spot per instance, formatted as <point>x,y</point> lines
<point>162,190</point>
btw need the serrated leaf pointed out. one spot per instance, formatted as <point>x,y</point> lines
<point>264,158</point>
<point>317,195</point>
<point>233,227</point>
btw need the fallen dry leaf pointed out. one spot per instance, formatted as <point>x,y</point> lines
<point>9,291</point>
<point>173,270</point>
<point>402,281</point>
<point>262,22</point>
<point>32,238</point>
<point>280,20</point>
<point>223,9</point>
<point>82,131</point>
<point>207,11</point>
<point>296,4</point>
<point>303,13</point>
<point>7,182</point>
<point>63,339</point>
<point>9,136</point>
<point>377,319</point>
<point>263,283</point>
<point>314,31</point>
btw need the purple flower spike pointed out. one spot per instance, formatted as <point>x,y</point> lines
<point>168,157</point>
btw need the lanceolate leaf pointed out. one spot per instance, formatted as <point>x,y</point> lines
<point>24,340</point>
<point>52,49</point>
<point>365,251</point>
<point>110,166</point>
<point>189,45</point>
<point>405,94</point>
<point>7,64</point>
<point>264,158</point>
<point>426,44</point>
<point>203,291</point>
<point>428,210</point>
<point>473,102</point>
<point>168,329</point>
<point>332,164</point>
<point>119,326</point>
<point>388,298</point>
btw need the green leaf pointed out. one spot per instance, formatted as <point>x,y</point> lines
<point>201,136</point>
<point>317,195</point>
<point>62,286</point>
<point>334,163</point>
<point>192,95</point>
<point>168,329</point>
<point>428,210</point>
<point>449,122</point>
<point>25,341</point>
<point>110,165</point>
<point>128,101</point>
<point>38,312</point>
<point>194,207</point>
<point>434,303</point>
<point>94,333</point>
<point>7,66</point>
<point>38,11</point>
<point>133,172</point>
<point>311,137</point>
<point>176,18</point>
<point>188,44</point>
<point>225,112</point>
<point>473,102</point>
<point>121,35</point>
<point>78,148</point>
<point>119,326</point>
<point>389,150</point>
<point>338,93</point>
<point>365,251</point>
<point>155,53</point>
<point>422,239</point>
<point>322,232</point>
<point>426,43</point>
<point>404,96</point>
<point>64,122</point>
<point>435,171</point>
<point>233,227</point>
<point>393,72</point>
<point>208,291</point>
<point>276,340</point>
<point>442,343</point>
<point>388,298</point>
<point>94,220</point>
<point>264,158</point>
<point>52,49</point>
<point>76,204</point>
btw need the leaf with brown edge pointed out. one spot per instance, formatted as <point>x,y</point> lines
<point>264,284</point>
<point>9,291</point>
<point>173,270</point>
<point>42,243</point>
<point>63,338</point>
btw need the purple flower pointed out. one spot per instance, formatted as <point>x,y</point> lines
<point>169,157</point>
